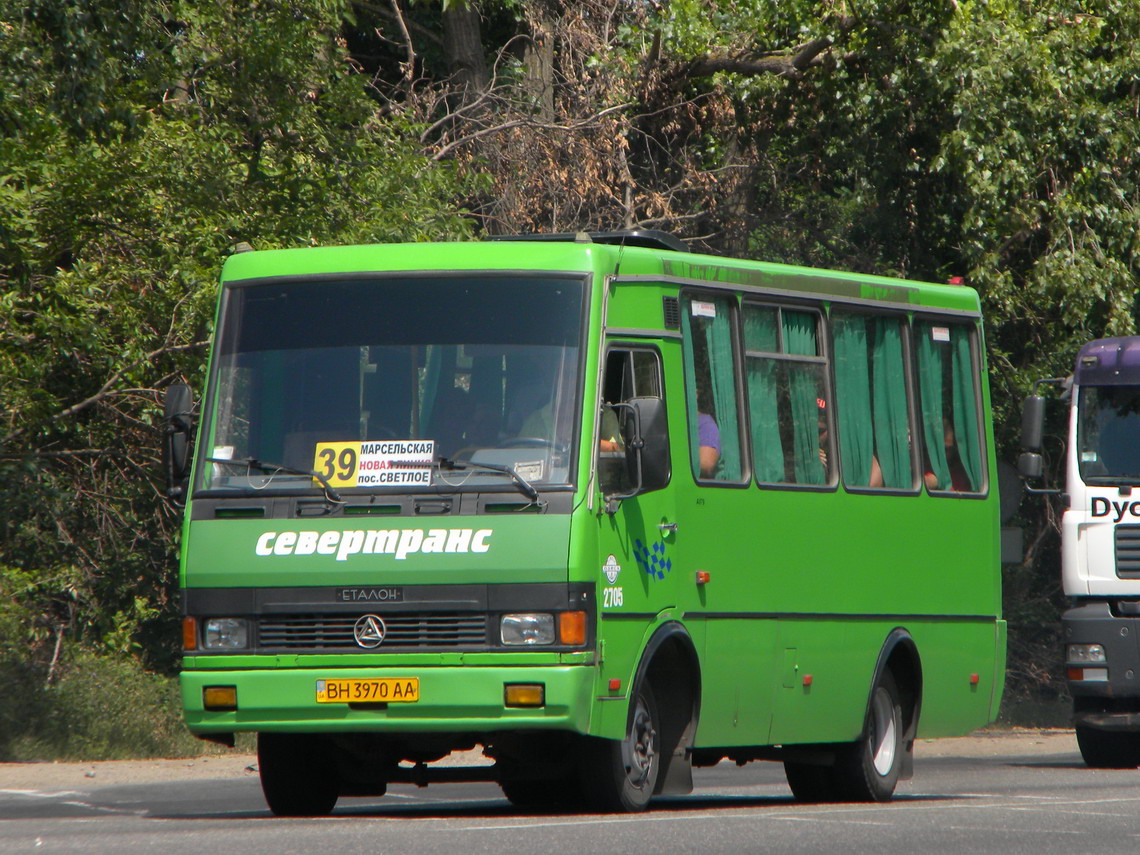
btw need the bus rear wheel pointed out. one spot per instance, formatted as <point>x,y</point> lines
<point>297,777</point>
<point>869,769</point>
<point>619,776</point>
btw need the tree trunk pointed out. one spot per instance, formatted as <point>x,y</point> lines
<point>463,46</point>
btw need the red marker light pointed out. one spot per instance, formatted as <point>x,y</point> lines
<point>615,684</point>
<point>703,577</point>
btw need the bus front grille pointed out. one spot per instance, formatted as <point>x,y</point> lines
<point>335,632</point>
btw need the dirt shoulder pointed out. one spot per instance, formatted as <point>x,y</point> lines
<point>87,776</point>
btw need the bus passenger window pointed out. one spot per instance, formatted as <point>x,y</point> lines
<point>710,389</point>
<point>871,401</point>
<point>787,396</point>
<point>947,383</point>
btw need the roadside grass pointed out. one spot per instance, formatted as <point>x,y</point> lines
<point>99,708</point>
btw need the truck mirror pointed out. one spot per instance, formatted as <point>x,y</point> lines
<point>179,423</point>
<point>1030,465</point>
<point>1033,423</point>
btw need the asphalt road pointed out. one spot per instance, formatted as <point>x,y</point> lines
<point>1003,794</point>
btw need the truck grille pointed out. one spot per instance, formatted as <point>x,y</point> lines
<point>1128,551</point>
<point>334,632</point>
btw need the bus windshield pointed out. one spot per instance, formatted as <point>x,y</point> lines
<point>1108,434</point>
<point>396,383</point>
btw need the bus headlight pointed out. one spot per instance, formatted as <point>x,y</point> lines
<point>225,634</point>
<point>527,629</point>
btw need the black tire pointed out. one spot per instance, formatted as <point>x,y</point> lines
<point>620,776</point>
<point>542,793</point>
<point>868,770</point>
<point>1106,749</point>
<point>811,783</point>
<point>297,777</point>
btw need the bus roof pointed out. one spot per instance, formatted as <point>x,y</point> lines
<point>633,260</point>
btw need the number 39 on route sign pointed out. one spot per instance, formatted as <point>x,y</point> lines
<point>375,464</point>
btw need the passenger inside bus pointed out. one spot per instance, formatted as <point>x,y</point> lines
<point>959,480</point>
<point>708,436</point>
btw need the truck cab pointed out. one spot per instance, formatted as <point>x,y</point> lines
<point>1100,547</point>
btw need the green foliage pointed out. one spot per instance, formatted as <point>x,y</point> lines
<point>1044,151</point>
<point>205,124</point>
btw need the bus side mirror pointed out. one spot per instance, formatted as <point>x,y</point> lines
<point>645,434</point>
<point>654,447</point>
<point>178,424</point>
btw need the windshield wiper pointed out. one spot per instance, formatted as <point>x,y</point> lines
<point>253,463</point>
<point>524,485</point>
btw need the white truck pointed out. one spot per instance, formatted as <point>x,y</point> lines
<point>1100,544</point>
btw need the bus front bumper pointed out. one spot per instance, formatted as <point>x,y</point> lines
<point>450,699</point>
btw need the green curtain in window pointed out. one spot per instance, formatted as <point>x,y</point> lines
<point>965,407</point>
<point>718,338</point>
<point>767,448</point>
<point>853,399</point>
<point>804,389</point>
<point>892,431</point>
<point>930,384</point>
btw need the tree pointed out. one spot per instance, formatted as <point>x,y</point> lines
<point>204,126</point>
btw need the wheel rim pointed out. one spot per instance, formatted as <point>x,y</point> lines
<point>642,745</point>
<point>885,732</point>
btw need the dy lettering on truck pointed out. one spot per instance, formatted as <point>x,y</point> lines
<point>602,509</point>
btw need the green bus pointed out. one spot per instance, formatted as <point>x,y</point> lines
<point>602,507</point>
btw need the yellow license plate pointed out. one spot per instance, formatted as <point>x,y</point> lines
<point>395,690</point>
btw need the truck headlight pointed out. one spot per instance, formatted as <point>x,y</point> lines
<point>1085,653</point>
<point>527,629</point>
<point>225,634</point>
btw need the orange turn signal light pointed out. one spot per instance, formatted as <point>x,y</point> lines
<point>524,694</point>
<point>572,628</point>
<point>219,698</point>
<point>189,633</point>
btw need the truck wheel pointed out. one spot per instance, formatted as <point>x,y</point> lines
<point>1106,749</point>
<point>868,770</point>
<point>619,776</point>
<point>297,777</point>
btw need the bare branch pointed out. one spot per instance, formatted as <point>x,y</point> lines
<point>573,126</point>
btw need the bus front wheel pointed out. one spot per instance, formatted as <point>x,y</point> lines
<point>620,775</point>
<point>297,777</point>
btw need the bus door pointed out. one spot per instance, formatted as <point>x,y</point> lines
<point>637,538</point>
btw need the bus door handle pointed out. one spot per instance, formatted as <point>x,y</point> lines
<point>667,528</point>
